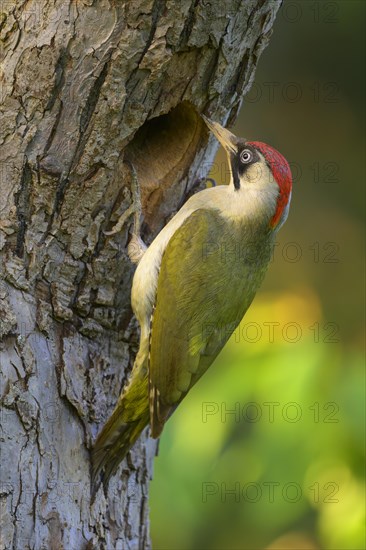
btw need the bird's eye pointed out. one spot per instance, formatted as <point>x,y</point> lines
<point>246,156</point>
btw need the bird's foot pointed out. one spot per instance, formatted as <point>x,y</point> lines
<point>136,247</point>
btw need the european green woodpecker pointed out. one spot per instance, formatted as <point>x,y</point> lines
<point>192,287</point>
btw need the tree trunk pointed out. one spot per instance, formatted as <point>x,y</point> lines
<point>84,86</point>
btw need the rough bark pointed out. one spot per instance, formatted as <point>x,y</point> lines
<point>85,85</point>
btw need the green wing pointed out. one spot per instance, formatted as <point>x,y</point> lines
<point>205,286</point>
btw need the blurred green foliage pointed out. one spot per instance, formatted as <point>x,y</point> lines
<point>267,451</point>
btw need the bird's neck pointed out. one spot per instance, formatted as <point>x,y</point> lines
<point>246,206</point>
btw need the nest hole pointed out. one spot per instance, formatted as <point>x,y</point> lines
<point>163,151</point>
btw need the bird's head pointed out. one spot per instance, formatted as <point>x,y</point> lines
<point>258,168</point>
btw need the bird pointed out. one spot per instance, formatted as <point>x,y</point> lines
<point>192,286</point>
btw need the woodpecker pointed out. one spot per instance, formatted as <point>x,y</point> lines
<point>192,287</point>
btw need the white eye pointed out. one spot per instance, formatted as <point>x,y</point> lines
<point>246,156</point>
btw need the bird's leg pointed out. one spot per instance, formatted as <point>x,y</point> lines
<point>136,247</point>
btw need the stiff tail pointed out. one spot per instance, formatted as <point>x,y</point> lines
<point>114,442</point>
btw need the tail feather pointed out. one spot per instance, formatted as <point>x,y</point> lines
<point>113,443</point>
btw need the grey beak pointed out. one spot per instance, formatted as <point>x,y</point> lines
<point>226,138</point>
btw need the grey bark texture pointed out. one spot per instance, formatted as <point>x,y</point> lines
<point>84,86</point>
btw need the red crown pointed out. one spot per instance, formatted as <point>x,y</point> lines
<point>281,172</point>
